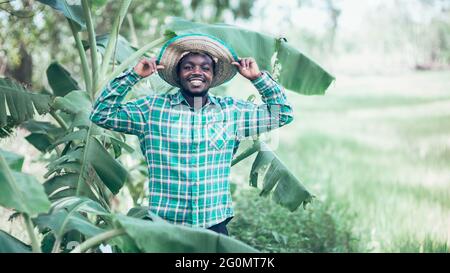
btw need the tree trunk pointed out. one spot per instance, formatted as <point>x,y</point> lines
<point>24,71</point>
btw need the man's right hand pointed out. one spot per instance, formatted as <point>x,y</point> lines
<point>147,67</point>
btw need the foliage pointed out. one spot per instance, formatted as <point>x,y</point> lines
<point>73,204</point>
<point>325,226</point>
<point>313,80</point>
<point>21,104</point>
<point>279,181</point>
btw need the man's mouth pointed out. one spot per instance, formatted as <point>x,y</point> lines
<point>196,82</point>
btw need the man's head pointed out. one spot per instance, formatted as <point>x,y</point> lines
<point>173,53</point>
<point>195,72</point>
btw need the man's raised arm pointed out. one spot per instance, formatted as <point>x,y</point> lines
<point>109,112</point>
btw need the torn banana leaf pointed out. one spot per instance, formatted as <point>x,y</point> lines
<point>286,189</point>
<point>296,71</point>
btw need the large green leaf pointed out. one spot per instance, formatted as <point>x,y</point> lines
<point>70,8</point>
<point>101,170</point>
<point>110,171</point>
<point>74,155</point>
<point>65,183</point>
<point>60,80</point>
<point>68,167</point>
<point>61,182</point>
<point>71,214</point>
<point>39,141</point>
<point>297,72</point>
<point>78,105</point>
<point>116,140</point>
<point>10,244</point>
<point>21,192</point>
<point>41,127</point>
<point>79,135</point>
<point>73,103</point>
<point>62,221</point>
<point>21,103</point>
<point>15,161</point>
<point>160,236</point>
<point>43,134</point>
<point>80,204</point>
<point>289,191</point>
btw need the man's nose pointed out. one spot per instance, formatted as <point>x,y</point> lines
<point>196,70</point>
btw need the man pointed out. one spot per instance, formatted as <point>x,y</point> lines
<point>189,138</point>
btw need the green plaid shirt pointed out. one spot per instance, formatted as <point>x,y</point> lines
<point>189,152</point>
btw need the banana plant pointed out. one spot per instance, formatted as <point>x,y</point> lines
<point>72,206</point>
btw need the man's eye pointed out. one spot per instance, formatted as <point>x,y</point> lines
<point>188,67</point>
<point>206,68</point>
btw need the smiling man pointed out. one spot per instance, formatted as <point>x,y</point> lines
<point>189,138</point>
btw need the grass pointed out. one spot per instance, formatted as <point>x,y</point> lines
<point>376,153</point>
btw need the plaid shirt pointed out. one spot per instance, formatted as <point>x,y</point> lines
<point>189,152</point>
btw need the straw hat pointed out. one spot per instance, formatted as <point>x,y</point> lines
<point>174,49</point>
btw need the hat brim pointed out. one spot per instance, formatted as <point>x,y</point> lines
<point>174,49</point>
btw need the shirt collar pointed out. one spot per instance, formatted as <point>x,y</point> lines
<point>178,98</point>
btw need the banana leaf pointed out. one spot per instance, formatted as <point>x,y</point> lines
<point>71,9</point>
<point>285,188</point>
<point>20,102</point>
<point>15,161</point>
<point>69,214</point>
<point>73,103</point>
<point>60,80</point>
<point>10,244</point>
<point>163,237</point>
<point>297,72</point>
<point>43,134</point>
<point>21,192</point>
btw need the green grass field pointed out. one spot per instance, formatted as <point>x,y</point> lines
<point>376,153</point>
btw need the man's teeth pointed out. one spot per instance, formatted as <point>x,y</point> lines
<point>196,82</point>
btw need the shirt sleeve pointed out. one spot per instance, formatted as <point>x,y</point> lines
<point>109,112</point>
<point>253,119</point>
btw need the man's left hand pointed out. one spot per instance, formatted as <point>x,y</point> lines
<point>248,68</point>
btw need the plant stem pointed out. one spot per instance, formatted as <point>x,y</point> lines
<point>125,64</point>
<point>113,36</point>
<point>80,182</point>
<point>56,245</point>
<point>92,44</point>
<point>35,245</point>
<point>254,148</point>
<point>59,120</point>
<point>96,240</point>
<point>134,38</point>
<point>82,53</point>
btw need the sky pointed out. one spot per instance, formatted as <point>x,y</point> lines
<point>273,16</point>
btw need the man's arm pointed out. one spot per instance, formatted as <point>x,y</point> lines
<point>109,111</point>
<point>253,119</point>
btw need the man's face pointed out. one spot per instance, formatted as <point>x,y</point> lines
<point>196,73</point>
